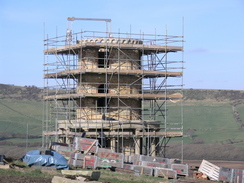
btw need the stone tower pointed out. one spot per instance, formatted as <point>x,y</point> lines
<point>107,94</point>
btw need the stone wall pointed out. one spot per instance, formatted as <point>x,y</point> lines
<point>97,83</point>
<point>90,83</point>
<point>115,110</point>
<point>125,59</point>
<point>117,59</point>
<point>88,58</point>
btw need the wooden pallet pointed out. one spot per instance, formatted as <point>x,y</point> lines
<point>211,170</point>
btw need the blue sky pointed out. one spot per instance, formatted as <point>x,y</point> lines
<point>213,30</point>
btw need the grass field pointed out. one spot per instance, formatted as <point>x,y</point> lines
<point>210,120</point>
<point>241,112</point>
<point>17,114</point>
<point>37,175</point>
<point>211,123</point>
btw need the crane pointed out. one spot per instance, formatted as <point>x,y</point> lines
<point>94,19</point>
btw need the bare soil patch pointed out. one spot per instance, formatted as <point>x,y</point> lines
<point>23,179</point>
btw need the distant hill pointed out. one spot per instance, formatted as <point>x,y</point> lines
<point>217,95</point>
<point>20,93</point>
<point>212,118</point>
<point>35,93</point>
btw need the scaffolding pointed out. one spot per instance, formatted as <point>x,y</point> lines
<point>115,87</point>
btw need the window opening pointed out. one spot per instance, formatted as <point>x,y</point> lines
<point>103,61</point>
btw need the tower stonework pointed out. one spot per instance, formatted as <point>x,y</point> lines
<point>102,93</point>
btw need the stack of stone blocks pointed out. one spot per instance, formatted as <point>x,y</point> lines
<point>86,153</point>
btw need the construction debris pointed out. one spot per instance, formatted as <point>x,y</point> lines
<point>87,154</point>
<point>77,176</point>
<point>107,160</point>
<point>57,179</point>
<point>4,166</point>
<point>2,160</point>
<point>200,175</point>
<point>88,175</point>
<point>85,145</point>
<point>181,169</point>
<point>210,171</point>
<point>165,173</point>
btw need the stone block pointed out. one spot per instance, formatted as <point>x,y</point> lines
<point>82,160</point>
<point>154,164</point>
<point>226,174</point>
<point>85,144</point>
<point>128,167</point>
<point>135,159</point>
<point>182,169</point>
<point>90,175</point>
<point>165,173</point>
<point>107,160</point>
<point>105,150</point>
<point>154,159</point>
<point>143,170</point>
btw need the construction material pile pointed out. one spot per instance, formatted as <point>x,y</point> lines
<point>85,153</point>
<point>209,171</point>
<point>50,159</point>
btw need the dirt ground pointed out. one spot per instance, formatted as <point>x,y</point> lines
<point>191,164</point>
<point>23,179</point>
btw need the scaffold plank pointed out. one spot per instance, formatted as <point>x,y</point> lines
<point>136,96</point>
<point>139,134</point>
<point>162,134</point>
<point>72,49</point>
<point>68,133</point>
<point>144,73</point>
<point>106,124</point>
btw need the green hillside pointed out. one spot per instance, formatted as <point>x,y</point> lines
<point>17,114</point>
<point>20,114</point>
<point>218,118</point>
<point>211,117</point>
<point>19,107</point>
<point>204,123</point>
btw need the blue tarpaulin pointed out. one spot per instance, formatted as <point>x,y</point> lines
<point>54,159</point>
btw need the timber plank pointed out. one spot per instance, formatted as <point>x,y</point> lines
<point>91,175</point>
